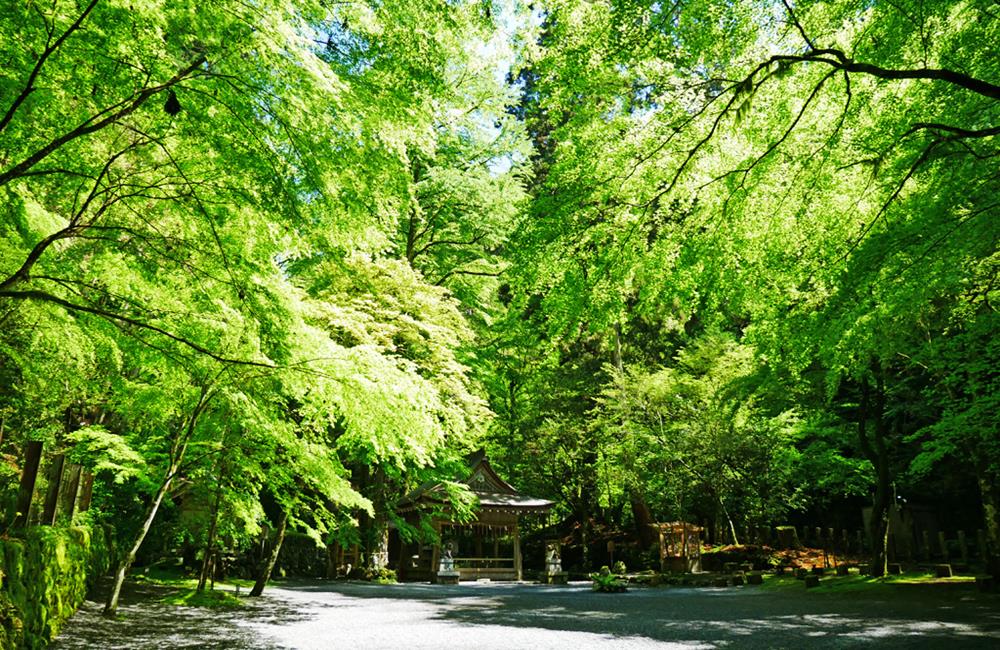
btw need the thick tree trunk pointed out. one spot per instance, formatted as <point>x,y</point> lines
<point>643,517</point>
<point>991,518</point>
<point>379,557</point>
<point>376,535</point>
<point>265,571</point>
<point>874,449</point>
<point>111,606</point>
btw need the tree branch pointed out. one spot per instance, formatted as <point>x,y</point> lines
<point>41,296</point>
<point>91,126</point>
<point>29,86</point>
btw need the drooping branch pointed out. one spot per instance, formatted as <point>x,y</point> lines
<point>50,48</point>
<point>73,228</point>
<point>91,125</point>
<point>42,296</point>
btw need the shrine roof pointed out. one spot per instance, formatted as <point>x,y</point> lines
<point>493,492</point>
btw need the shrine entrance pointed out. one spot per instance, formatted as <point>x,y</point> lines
<point>488,547</point>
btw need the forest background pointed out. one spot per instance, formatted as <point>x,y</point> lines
<point>277,264</point>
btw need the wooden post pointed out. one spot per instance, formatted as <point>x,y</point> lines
<point>517,552</point>
<point>963,547</point>
<point>943,544</point>
<point>663,550</point>
<point>86,491</point>
<point>436,553</point>
<point>71,488</point>
<point>52,497</point>
<point>26,490</point>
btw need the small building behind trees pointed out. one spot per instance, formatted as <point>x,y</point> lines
<point>489,546</point>
<point>680,546</point>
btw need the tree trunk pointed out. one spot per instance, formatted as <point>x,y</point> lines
<point>210,542</point>
<point>177,452</point>
<point>377,533</point>
<point>265,572</point>
<point>379,557</point>
<point>729,522</point>
<point>991,516</point>
<point>643,518</point>
<point>111,606</point>
<point>875,450</point>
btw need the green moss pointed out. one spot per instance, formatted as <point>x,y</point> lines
<point>215,599</point>
<point>859,583</point>
<point>47,575</point>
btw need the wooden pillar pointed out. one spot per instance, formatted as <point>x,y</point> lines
<point>70,491</point>
<point>86,491</point>
<point>32,456</point>
<point>403,567</point>
<point>663,551</point>
<point>436,553</point>
<point>52,497</point>
<point>517,551</point>
<point>943,543</point>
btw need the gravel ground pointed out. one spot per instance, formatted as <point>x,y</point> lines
<point>359,616</point>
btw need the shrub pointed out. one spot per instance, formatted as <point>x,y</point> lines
<point>607,582</point>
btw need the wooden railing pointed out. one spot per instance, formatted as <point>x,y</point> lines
<point>496,568</point>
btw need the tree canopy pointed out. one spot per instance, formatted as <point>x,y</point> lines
<point>724,262</point>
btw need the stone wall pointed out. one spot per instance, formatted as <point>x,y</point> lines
<point>45,577</point>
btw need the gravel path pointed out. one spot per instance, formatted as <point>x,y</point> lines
<point>358,616</point>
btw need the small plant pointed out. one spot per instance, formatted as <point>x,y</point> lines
<point>607,582</point>
<point>619,568</point>
<point>382,576</point>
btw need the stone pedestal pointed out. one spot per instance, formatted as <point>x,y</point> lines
<point>942,570</point>
<point>555,578</point>
<point>755,579</point>
<point>842,570</point>
<point>812,581</point>
<point>447,577</point>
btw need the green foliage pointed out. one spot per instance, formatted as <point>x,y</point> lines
<point>607,582</point>
<point>99,450</point>
<point>381,575</point>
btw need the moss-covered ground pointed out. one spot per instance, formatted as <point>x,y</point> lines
<point>854,583</point>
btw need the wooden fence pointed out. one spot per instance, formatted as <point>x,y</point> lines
<point>904,545</point>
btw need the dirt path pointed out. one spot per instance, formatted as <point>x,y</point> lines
<point>359,616</point>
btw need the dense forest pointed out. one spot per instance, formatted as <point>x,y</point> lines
<point>733,263</point>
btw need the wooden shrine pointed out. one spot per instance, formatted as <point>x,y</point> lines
<point>487,547</point>
<point>680,546</point>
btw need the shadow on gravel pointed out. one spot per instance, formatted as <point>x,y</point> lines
<point>319,614</point>
<point>730,616</point>
<point>144,622</point>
